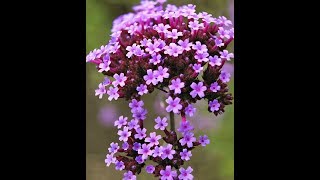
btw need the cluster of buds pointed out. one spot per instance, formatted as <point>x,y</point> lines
<point>172,49</point>
<point>138,147</point>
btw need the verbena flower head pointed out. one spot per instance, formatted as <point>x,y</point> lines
<point>178,51</point>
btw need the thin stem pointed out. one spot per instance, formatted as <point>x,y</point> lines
<point>161,89</point>
<point>172,123</point>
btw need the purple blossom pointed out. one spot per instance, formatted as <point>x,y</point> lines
<point>186,45</point>
<point>155,59</point>
<point>215,87</point>
<point>185,174</point>
<point>145,151</point>
<point>173,50</point>
<point>194,25</point>
<point>168,174</point>
<point>161,73</point>
<point>124,135</point>
<point>106,81</point>
<point>161,28</point>
<point>168,152</point>
<point>218,42</point>
<point>119,165</point>
<point>119,80</point>
<point>142,89</point>
<point>153,139</point>
<point>226,55</point>
<point>225,77</point>
<point>101,91</point>
<point>198,89</point>
<point>125,145</point>
<point>157,152</point>
<point>185,155</point>
<point>190,110</point>
<point>114,147</point>
<point>197,68</point>
<point>188,139</point>
<point>139,159</point>
<point>134,104</point>
<point>113,93</point>
<point>225,21</point>
<point>176,85</point>
<point>105,66</point>
<point>150,77</point>
<point>161,123</point>
<point>136,146</point>
<point>131,50</point>
<point>200,48</point>
<point>202,57</point>
<point>185,127</point>
<point>110,159</point>
<point>133,124</point>
<point>223,33</point>
<point>173,105</point>
<point>204,140</point>
<point>122,121</point>
<point>214,105</point>
<point>141,133</point>
<point>150,169</point>
<point>174,34</point>
<point>129,176</point>
<point>144,42</point>
<point>139,114</point>
<point>153,47</point>
<point>214,61</point>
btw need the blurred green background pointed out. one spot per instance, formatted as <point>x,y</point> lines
<point>214,162</point>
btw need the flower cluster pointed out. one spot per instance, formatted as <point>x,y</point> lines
<point>175,50</point>
<point>138,146</point>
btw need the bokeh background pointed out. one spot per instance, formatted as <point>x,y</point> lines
<point>213,162</point>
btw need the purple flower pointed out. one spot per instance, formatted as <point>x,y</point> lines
<point>225,21</point>
<point>113,93</point>
<point>136,146</point>
<point>142,89</point>
<point>168,152</point>
<point>173,50</point>
<point>161,123</point>
<point>188,139</point>
<point>134,104</point>
<point>223,33</point>
<point>218,42</point>
<point>150,169</point>
<point>141,133</point>
<point>119,165</point>
<point>204,140</point>
<point>153,139</point>
<point>174,34</point>
<point>185,44</point>
<point>198,89</point>
<point>199,47</point>
<point>133,124</point>
<point>214,105</point>
<point>124,135</point>
<point>105,66</point>
<point>155,59</point>
<point>114,147</point>
<point>185,127</point>
<point>190,110</point>
<point>153,47</point>
<point>150,77</point>
<point>215,87</point>
<point>176,85</point>
<point>139,159</point>
<point>122,121</point>
<point>110,159</point>
<point>125,146</point>
<point>202,57</point>
<point>139,114</point>
<point>167,174</point>
<point>129,176</point>
<point>101,91</point>
<point>145,151</point>
<point>161,28</point>
<point>131,50</point>
<point>214,61</point>
<point>144,42</point>
<point>224,77</point>
<point>185,174</point>
<point>197,68</point>
<point>161,73</point>
<point>173,105</point>
<point>226,55</point>
<point>185,155</point>
<point>106,81</point>
<point>194,25</point>
<point>119,80</point>
<point>157,152</point>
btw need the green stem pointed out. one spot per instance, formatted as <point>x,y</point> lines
<point>172,123</point>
